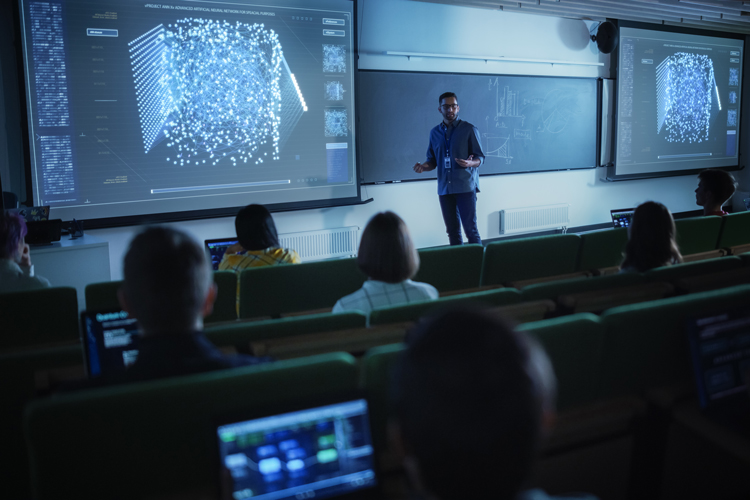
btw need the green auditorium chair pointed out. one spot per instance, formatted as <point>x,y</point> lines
<point>451,268</point>
<point>574,345</point>
<point>103,296</point>
<point>688,269</point>
<point>698,234</point>
<point>24,374</point>
<point>377,372</point>
<point>554,289</point>
<point>156,439</point>
<point>735,231</point>
<point>37,317</point>
<point>530,258</point>
<point>412,312</point>
<point>241,334</point>
<point>645,345</point>
<point>600,249</point>
<point>276,290</point>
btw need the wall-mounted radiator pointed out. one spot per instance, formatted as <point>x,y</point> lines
<point>323,244</point>
<point>530,219</point>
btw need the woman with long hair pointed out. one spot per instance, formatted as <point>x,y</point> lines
<point>651,239</point>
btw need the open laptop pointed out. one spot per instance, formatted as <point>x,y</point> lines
<point>312,452</point>
<point>720,352</point>
<point>110,341</point>
<point>217,247</point>
<point>622,217</point>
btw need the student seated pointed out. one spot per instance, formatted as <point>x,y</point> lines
<point>715,187</point>
<point>651,239</point>
<point>16,270</point>
<point>258,244</point>
<point>388,257</point>
<point>473,399</point>
<point>168,287</point>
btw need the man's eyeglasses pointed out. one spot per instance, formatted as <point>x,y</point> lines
<point>449,106</point>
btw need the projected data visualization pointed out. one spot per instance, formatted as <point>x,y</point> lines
<point>678,101</point>
<point>188,105</point>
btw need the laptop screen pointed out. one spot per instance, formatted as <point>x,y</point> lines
<point>622,217</point>
<point>720,350</point>
<point>110,341</point>
<point>319,452</point>
<point>216,249</point>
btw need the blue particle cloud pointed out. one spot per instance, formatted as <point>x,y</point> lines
<point>334,58</point>
<point>214,90</point>
<point>734,76</point>
<point>334,91</point>
<point>731,118</point>
<point>336,123</point>
<point>732,97</point>
<point>684,87</point>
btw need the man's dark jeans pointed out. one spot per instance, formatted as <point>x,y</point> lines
<point>463,205</point>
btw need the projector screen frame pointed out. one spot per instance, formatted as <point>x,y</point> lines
<point>611,167</point>
<point>16,9</point>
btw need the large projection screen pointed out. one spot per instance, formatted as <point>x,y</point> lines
<point>678,102</point>
<point>189,107</point>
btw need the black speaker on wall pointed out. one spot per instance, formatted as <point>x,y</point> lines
<point>605,35</point>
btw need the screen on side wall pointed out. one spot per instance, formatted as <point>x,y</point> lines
<point>189,106</point>
<point>678,102</point>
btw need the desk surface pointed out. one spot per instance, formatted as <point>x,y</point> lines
<point>66,243</point>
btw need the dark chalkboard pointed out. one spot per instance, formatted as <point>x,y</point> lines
<point>527,123</point>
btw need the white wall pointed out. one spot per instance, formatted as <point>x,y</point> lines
<point>409,26</point>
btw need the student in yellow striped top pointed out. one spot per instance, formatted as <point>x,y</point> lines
<point>258,244</point>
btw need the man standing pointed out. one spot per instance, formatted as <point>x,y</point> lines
<point>455,150</point>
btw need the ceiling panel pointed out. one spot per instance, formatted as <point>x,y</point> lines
<point>722,15</point>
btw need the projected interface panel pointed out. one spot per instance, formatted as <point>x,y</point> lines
<point>140,108</point>
<point>678,101</point>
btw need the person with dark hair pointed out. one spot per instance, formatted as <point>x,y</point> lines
<point>456,151</point>
<point>389,259</point>
<point>258,244</point>
<point>651,239</point>
<point>16,269</point>
<point>715,187</point>
<point>472,400</point>
<point>168,287</point>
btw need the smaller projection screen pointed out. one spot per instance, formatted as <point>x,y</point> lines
<point>189,106</point>
<point>678,102</point>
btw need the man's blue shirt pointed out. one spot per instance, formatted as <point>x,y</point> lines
<point>462,139</point>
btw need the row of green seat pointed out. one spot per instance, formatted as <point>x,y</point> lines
<point>59,323</point>
<point>279,290</point>
<point>159,434</point>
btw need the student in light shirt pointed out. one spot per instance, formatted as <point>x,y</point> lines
<point>389,259</point>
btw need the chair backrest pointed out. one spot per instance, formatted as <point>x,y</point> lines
<point>377,375</point>
<point>38,317</point>
<point>646,345</point>
<point>225,306</point>
<point>735,230</point>
<point>451,268</point>
<point>241,334</point>
<point>412,312</point>
<point>19,382</point>
<point>574,345</point>
<point>554,289</point>
<point>698,234</point>
<point>275,290</point>
<point>602,248</point>
<point>103,296</point>
<point>156,438</point>
<point>687,269</point>
<point>528,258</point>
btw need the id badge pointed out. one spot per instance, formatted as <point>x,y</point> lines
<point>447,162</point>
